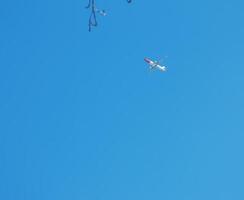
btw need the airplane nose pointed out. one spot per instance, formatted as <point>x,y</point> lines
<point>146,60</point>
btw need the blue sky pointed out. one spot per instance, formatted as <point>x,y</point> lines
<point>82,117</point>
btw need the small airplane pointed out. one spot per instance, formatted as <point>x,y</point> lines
<point>155,64</point>
<point>101,12</point>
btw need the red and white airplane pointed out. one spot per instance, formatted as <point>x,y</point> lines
<point>155,64</point>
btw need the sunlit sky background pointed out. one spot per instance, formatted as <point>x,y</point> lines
<point>83,118</point>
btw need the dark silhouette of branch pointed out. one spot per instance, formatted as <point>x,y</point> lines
<point>94,11</point>
<point>92,18</point>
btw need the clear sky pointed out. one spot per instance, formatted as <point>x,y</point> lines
<point>82,117</point>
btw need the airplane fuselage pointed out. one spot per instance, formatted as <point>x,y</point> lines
<point>155,64</point>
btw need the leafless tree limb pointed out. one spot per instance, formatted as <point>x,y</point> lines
<point>93,18</point>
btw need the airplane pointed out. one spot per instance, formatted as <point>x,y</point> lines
<point>155,64</point>
<point>101,12</point>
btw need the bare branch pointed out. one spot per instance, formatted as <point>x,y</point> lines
<point>94,10</point>
<point>92,18</point>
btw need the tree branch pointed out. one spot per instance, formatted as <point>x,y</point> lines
<point>93,18</point>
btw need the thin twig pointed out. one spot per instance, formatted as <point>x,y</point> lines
<point>93,17</point>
